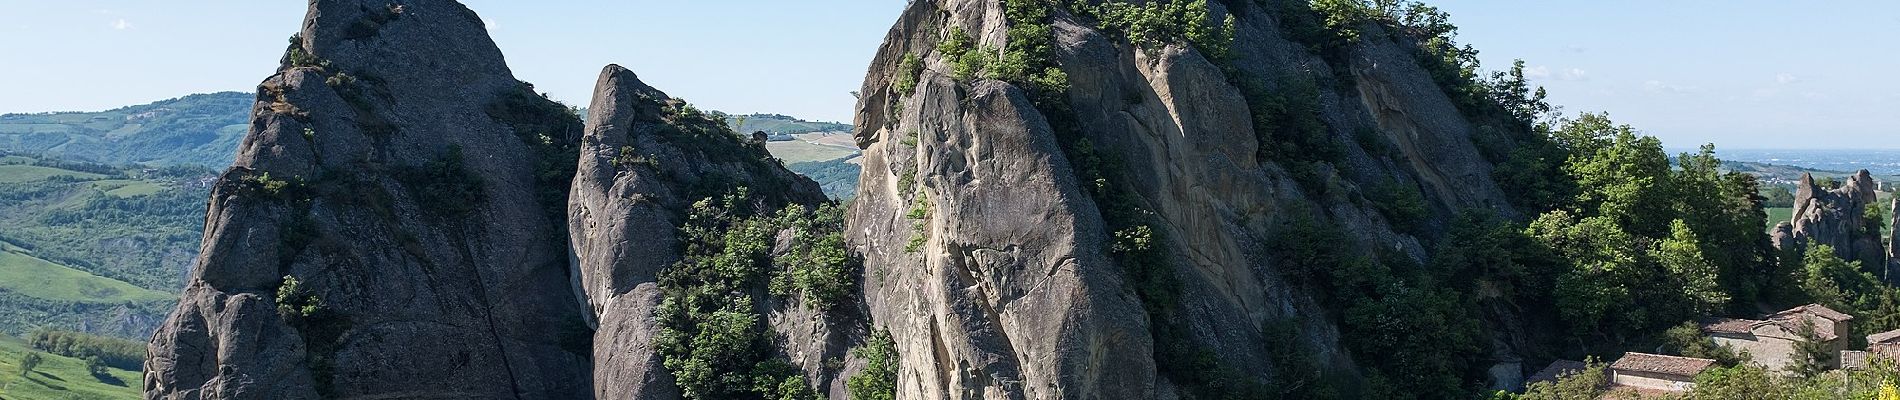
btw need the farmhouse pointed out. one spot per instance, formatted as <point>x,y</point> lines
<point>1643,371</point>
<point>1770,341</point>
<point>1885,344</point>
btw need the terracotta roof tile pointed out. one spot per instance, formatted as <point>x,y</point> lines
<point>1672,365</point>
<point>1885,337</point>
<point>1730,325</point>
<point>1813,309</point>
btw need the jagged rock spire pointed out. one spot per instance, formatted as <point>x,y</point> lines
<point>386,230</point>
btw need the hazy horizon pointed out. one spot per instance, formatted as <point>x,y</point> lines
<point>1749,75</point>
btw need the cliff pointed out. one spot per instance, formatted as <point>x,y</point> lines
<point>1108,228</point>
<point>651,169</point>
<point>392,226</point>
<point>1837,217</point>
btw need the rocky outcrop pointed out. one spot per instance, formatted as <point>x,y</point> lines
<point>389,229</point>
<point>1836,217</point>
<point>994,266</point>
<point>1893,246</point>
<point>640,173</point>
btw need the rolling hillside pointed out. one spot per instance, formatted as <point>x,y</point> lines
<point>199,129</point>
<point>94,248</point>
<point>59,377</point>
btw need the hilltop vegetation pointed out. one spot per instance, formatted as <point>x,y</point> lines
<point>58,376</point>
<point>199,129</point>
<point>777,123</point>
<point>93,247</point>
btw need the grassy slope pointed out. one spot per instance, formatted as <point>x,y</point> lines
<point>26,275</point>
<point>59,377</point>
<point>29,173</point>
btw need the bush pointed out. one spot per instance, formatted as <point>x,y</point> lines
<point>878,380</point>
<point>1401,204</point>
<point>908,70</point>
<point>817,268</point>
<point>445,185</point>
<point>294,302</point>
<point>110,351</point>
<point>712,336</point>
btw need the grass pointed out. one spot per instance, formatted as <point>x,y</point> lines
<point>33,277</point>
<point>59,377</point>
<point>797,151</point>
<point>1777,215</point>
<point>128,188</point>
<point>29,173</point>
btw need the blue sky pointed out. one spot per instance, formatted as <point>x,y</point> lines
<point>1742,74</point>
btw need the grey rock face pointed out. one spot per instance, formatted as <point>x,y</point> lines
<point>1005,288</point>
<point>387,171</point>
<point>1893,246</point>
<point>635,184</point>
<point>1837,218</point>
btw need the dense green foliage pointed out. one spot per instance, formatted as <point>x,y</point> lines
<point>878,380</point>
<point>552,131</point>
<point>838,178</point>
<point>908,70</point>
<point>112,352</point>
<point>713,337</point>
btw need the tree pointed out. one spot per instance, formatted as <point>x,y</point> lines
<point>878,380</point>
<point>1681,255</point>
<point>1742,382</point>
<point>96,366</point>
<point>1581,385</point>
<point>1811,355</point>
<point>1687,340</point>
<point>1623,176</point>
<point>29,362</point>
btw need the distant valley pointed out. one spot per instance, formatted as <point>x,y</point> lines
<point>103,211</point>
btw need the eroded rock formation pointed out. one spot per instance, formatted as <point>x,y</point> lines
<point>642,167</point>
<point>388,229</point>
<point>995,267</point>
<point>1837,217</point>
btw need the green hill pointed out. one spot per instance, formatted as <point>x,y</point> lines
<point>59,377</point>
<point>775,123</point>
<point>95,248</point>
<point>25,275</point>
<point>200,129</point>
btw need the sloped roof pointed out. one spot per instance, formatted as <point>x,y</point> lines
<point>1884,337</point>
<point>1730,325</point>
<point>1815,310</point>
<point>1557,369</point>
<point>1661,364</point>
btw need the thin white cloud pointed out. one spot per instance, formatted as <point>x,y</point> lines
<point>1567,74</point>
<point>1660,87</point>
<point>1537,72</point>
<point>490,24</point>
<point>122,24</point>
<point>1786,78</point>
<point>1575,74</point>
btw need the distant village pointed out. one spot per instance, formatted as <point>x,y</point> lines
<point>1777,341</point>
